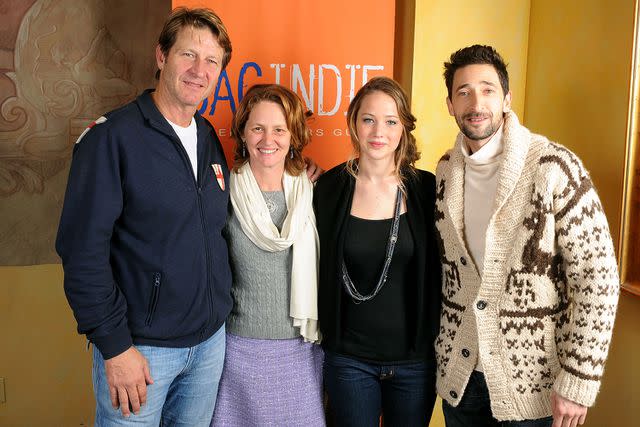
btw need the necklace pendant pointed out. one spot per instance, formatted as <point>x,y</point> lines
<point>271,206</point>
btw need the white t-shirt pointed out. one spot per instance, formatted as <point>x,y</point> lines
<point>189,138</point>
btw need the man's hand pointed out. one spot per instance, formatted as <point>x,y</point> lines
<point>566,413</point>
<point>313,170</point>
<point>128,375</point>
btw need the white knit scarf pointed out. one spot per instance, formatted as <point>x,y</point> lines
<point>298,230</point>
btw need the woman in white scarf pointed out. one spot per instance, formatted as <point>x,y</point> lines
<point>273,365</point>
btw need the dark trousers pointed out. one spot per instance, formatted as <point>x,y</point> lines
<point>474,409</point>
<point>360,391</point>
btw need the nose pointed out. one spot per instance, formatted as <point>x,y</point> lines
<point>474,99</point>
<point>268,136</point>
<point>377,128</point>
<point>197,67</point>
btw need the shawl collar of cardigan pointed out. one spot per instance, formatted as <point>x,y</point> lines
<point>516,144</point>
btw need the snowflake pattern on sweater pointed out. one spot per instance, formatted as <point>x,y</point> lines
<point>542,314</point>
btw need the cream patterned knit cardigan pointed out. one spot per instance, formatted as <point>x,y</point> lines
<point>543,315</point>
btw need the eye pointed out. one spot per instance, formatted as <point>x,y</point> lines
<point>463,93</point>
<point>189,54</point>
<point>489,90</point>
<point>280,131</point>
<point>256,129</point>
<point>212,61</point>
<point>367,120</point>
<point>392,122</point>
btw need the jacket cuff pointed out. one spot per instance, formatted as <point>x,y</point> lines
<point>118,341</point>
<point>578,390</point>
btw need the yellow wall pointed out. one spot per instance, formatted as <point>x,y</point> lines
<point>444,26</point>
<point>578,80</point>
<point>441,27</point>
<point>43,360</point>
<point>569,65</point>
<point>578,85</point>
<point>581,102</point>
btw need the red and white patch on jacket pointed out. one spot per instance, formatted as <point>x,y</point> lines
<point>217,169</point>
<point>99,120</point>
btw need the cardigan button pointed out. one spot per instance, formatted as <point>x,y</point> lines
<point>463,260</point>
<point>453,394</point>
<point>465,352</point>
<point>481,305</point>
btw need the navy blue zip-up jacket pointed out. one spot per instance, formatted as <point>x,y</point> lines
<point>140,236</point>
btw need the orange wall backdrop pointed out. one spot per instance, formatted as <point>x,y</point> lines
<point>324,51</point>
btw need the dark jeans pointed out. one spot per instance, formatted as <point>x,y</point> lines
<point>474,409</point>
<point>359,392</point>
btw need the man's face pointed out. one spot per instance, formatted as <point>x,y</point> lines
<point>478,102</point>
<point>190,70</point>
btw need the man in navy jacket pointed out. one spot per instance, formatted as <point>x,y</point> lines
<point>146,268</point>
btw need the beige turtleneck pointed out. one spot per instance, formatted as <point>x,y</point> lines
<point>480,184</point>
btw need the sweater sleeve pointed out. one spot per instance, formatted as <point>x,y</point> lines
<point>588,264</point>
<point>92,205</point>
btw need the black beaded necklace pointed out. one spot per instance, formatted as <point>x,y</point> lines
<point>349,286</point>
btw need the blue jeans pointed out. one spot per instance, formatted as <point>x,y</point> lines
<point>360,391</point>
<point>474,409</point>
<point>184,389</point>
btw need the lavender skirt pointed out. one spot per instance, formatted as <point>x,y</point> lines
<point>270,383</point>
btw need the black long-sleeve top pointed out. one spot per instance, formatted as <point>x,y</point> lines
<point>332,202</point>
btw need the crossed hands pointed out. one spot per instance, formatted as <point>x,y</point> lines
<point>128,376</point>
<point>565,412</point>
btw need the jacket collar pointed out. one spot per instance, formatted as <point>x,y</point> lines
<point>154,117</point>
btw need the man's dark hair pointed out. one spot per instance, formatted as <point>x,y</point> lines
<point>476,54</point>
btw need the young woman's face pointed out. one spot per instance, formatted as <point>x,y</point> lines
<point>378,126</point>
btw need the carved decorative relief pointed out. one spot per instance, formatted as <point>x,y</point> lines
<point>66,69</point>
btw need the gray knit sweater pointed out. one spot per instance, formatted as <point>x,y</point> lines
<point>261,281</point>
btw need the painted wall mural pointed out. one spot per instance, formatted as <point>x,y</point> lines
<point>63,63</point>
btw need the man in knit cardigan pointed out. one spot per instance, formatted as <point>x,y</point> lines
<point>530,281</point>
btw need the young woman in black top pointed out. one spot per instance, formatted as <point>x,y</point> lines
<point>379,289</point>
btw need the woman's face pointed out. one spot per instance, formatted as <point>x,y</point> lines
<point>267,137</point>
<point>378,127</point>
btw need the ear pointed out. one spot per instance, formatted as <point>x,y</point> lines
<point>160,58</point>
<point>450,107</point>
<point>506,104</point>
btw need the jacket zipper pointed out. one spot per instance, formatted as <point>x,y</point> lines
<point>198,187</point>
<point>153,302</point>
<point>207,258</point>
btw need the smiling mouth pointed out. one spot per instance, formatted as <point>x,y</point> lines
<point>193,84</point>
<point>474,118</point>
<point>266,151</point>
